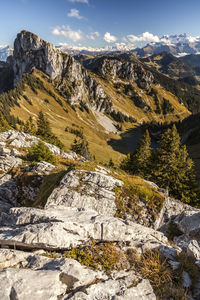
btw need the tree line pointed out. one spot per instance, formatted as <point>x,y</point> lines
<point>169,165</point>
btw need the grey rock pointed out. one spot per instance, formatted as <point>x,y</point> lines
<point>193,249</point>
<point>8,192</point>
<point>24,284</point>
<point>116,290</point>
<point>68,268</point>
<point>171,208</point>
<point>174,264</point>
<point>30,51</point>
<point>168,252</point>
<point>9,162</point>
<point>67,227</point>
<point>86,190</point>
<point>64,278</point>
<point>4,151</point>
<point>186,280</point>
<point>15,152</point>
<point>43,167</point>
<point>18,140</point>
<point>188,222</point>
<point>134,72</point>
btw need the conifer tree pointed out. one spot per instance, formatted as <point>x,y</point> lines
<point>138,162</point>
<point>173,169</point>
<point>43,126</point>
<point>29,127</point>
<point>80,146</point>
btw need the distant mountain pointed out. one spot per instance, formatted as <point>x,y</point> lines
<point>186,68</point>
<point>178,45</point>
<point>75,50</point>
<point>5,51</point>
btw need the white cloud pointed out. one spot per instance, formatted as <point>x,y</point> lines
<point>80,1</point>
<point>144,37</point>
<point>69,33</point>
<point>74,13</point>
<point>93,35</point>
<point>109,38</point>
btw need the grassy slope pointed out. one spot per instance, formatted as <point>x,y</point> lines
<point>59,119</point>
<point>93,131</point>
<point>124,103</point>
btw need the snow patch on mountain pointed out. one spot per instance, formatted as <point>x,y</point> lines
<point>5,51</point>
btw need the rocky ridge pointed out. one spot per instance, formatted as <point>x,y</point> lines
<point>71,79</point>
<point>80,211</point>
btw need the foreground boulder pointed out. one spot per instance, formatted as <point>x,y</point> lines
<point>41,284</point>
<point>117,290</point>
<point>63,278</point>
<point>86,190</point>
<point>68,227</point>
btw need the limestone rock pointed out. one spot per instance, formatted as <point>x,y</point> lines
<point>4,151</point>
<point>18,139</point>
<point>24,284</point>
<point>30,51</point>
<point>68,227</point>
<point>193,249</point>
<point>8,192</point>
<point>117,290</point>
<point>43,167</point>
<point>86,190</point>
<point>186,280</point>
<point>72,272</point>
<point>171,208</point>
<point>188,222</point>
<point>9,162</point>
<point>64,278</point>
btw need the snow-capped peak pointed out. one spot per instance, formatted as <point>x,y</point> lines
<point>5,51</point>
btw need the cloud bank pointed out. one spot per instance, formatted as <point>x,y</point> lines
<point>144,37</point>
<point>69,33</point>
<point>110,38</point>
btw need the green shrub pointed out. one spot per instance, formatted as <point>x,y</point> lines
<point>103,256</point>
<point>39,152</point>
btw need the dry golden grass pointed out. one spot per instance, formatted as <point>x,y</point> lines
<point>93,131</point>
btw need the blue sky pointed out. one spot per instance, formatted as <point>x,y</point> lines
<point>98,23</point>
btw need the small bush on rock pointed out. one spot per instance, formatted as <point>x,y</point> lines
<point>39,152</point>
<point>98,256</point>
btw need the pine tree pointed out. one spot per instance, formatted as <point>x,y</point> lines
<point>43,126</point>
<point>29,127</point>
<point>81,147</point>
<point>173,169</point>
<point>138,162</point>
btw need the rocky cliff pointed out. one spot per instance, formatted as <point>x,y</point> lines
<point>71,79</point>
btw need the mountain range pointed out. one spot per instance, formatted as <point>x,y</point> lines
<point>178,45</point>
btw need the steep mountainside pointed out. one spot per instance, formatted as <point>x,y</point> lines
<point>101,96</point>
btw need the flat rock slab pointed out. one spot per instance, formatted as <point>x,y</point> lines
<point>116,290</point>
<point>68,227</point>
<point>72,273</point>
<point>22,284</point>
